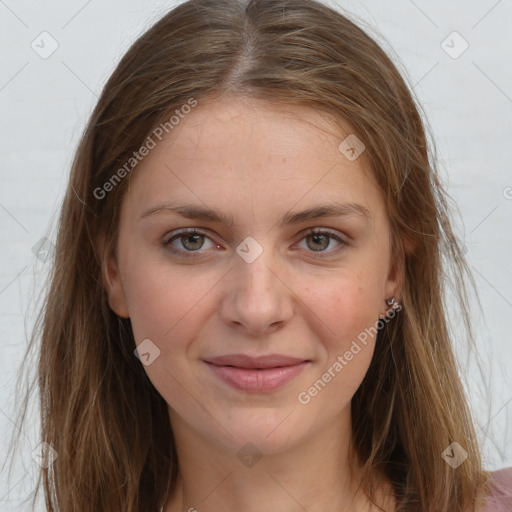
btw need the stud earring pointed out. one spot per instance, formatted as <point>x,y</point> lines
<point>392,303</point>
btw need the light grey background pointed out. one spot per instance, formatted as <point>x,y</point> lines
<point>44,105</point>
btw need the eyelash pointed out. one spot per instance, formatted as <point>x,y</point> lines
<point>195,231</point>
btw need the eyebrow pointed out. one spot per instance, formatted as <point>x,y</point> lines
<point>196,212</point>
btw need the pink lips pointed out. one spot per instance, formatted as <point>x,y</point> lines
<point>256,374</point>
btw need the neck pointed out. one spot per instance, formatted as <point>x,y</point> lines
<point>313,475</point>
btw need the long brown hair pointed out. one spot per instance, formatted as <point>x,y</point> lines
<point>100,412</point>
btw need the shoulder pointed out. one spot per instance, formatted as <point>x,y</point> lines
<point>499,496</point>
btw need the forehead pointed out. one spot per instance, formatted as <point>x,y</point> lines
<point>266,153</point>
<point>236,127</point>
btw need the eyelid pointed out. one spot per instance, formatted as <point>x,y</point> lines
<point>329,231</point>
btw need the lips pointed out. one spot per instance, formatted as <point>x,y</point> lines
<point>256,374</point>
<point>260,362</point>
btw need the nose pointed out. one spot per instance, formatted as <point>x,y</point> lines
<point>257,298</point>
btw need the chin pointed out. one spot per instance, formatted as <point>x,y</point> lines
<point>268,432</point>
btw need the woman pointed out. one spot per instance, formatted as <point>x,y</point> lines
<point>247,305</point>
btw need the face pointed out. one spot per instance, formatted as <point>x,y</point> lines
<point>253,279</point>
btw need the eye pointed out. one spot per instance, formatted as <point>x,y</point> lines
<point>317,240</point>
<point>190,239</point>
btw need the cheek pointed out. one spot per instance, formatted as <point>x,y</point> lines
<point>162,303</point>
<point>348,302</point>
<point>349,308</point>
<point>165,307</point>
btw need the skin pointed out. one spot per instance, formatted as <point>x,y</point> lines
<point>302,297</point>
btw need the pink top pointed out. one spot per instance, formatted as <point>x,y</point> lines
<point>499,498</point>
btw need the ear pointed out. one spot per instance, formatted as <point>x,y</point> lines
<point>112,282</point>
<point>394,282</point>
<point>395,277</point>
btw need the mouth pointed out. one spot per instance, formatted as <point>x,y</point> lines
<point>256,374</point>
<point>255,362</point>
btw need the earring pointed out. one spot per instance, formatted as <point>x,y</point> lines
<point>394,306</point>
<point>392,303</point>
